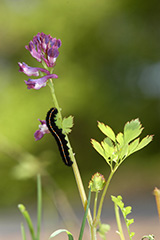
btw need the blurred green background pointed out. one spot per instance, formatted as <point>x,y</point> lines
<point>109,70</point>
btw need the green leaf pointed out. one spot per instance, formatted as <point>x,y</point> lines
<point>107,131</point>
<point>123,152</point>
<point>130,221</point>
<point>132,130</point>
<point>118,201</point>
<point>103,229</point>
<point>108,146</point>
<point>97,146</point>
<point>145,141</point>
<point>120,139</point>
<point>132,146</point>
<point>67,124</point>
<point>149,237</point>
<point>127,210</point>
<point>132,234</point>
<point>70,237</point>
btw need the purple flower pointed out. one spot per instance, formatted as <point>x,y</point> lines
<point>44,47</point>
<point>31,71</point>
<point>40,82</point>
<point>43,129</point>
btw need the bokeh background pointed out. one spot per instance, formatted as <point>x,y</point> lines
<point>109,70</point>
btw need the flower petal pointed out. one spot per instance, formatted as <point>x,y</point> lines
<point>39,82</point>
<point>43,129</point>
<point>31,71</point>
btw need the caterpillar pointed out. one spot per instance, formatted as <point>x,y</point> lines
<point>58,135</point>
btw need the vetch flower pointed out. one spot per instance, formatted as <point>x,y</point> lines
<point>39,82</point>
<point>97,182</point>
<point>43,129</point>
<point>44,47</point>
<point>31,71</point>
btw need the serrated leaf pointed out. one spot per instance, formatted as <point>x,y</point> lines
<point>132,146</point>
<point>107,131</point>
<point>127,210</point>
<point>124,152</point>
<point>108,146</point>
<point>144,142</point>
<point>120,139</point>
<point>118,201</point>
<point>97,146</point>
<point>67,124</point>
<point>130,221</point>
<point>132,130</point>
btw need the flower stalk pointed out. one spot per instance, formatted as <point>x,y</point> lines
<point>72,156</point>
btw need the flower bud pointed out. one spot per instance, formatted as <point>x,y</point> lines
<point>97,182</point>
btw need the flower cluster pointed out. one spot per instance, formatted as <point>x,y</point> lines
<point>44,49</point>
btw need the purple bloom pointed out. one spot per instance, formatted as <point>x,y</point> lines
<point>43,129</point>
<point>44,47</point>
<point>31,71</point>
<point>40,82</point>
<point>35,53</point>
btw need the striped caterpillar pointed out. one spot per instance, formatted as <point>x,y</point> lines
<point>58,135</point>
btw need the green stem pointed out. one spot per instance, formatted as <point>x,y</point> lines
<point>95,206</point>
<point>28,220</point>
<point>23,232</point>
<point>102,198</point>
<point>39,205</point>
<point>50,84</point>
<point>74,165</point>
<point>93,233</point>
<point>119,222</point>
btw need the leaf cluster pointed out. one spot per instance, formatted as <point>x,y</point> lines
<point>125,211</point>
<point>115,148</point>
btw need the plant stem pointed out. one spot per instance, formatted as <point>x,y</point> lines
<point>119,222</point>
<point>95,206</point>
<point>93,233</point>
<point>157,197</point>
<point>23,232</point>
<point>39,206</point>
<point>102,197</point>
<point>28,220</point>
<point>74,165</point>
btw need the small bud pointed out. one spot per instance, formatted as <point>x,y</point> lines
<point>103,229</point>
<point>97,182</point>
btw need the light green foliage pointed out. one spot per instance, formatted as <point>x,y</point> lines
<point>107,131</point>
<point>67,124</point>
<point>125,211</point>
<point>132,130</point>
<point>103,229</point>
<point>70,237</point>
<point>116,148</point>
<point>149,237</point>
